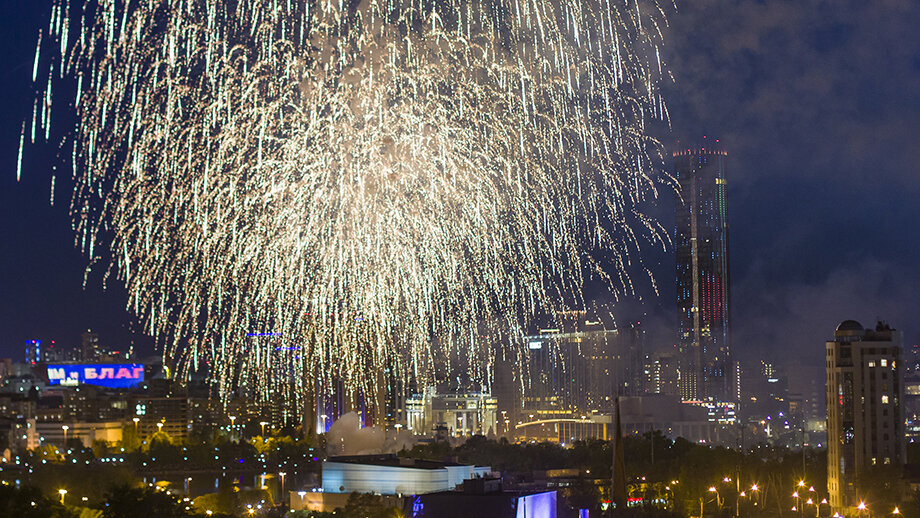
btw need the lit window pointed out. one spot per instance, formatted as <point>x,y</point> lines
<point>872,364</point>
<point>883,362</point>
<point>884,400</point>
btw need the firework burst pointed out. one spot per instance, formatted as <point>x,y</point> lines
<point>354,178</point>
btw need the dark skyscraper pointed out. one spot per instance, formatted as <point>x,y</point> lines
<point>89,345</point>
<point>701,240</point>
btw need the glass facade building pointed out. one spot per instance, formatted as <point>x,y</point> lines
<point>703,282</point>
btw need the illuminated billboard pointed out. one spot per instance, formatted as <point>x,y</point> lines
<point>112,375</point>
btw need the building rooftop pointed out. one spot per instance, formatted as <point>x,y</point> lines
<point>850,325</point>
<point>392,460</point>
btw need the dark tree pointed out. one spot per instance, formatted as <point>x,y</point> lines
<point>29,502</point>
<point>133,502</point>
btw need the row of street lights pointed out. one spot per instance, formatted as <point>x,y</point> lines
<point>800,506</point>
<point>63,492</point>
<point>799,493</point>
<point>162,422</point>
<point>233,424</point>
<point>720,501</point>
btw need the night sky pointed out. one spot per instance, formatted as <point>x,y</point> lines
<point>817,103</point>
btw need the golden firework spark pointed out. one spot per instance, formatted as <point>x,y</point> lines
<point>355,177</point>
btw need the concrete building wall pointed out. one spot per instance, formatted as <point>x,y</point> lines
<point>865,416</point>
<point>87,433</point>
<point>461,414</point>
<point>340,477</point>
<point>540,505</point>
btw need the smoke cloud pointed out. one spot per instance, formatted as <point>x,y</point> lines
<point>346,436</point>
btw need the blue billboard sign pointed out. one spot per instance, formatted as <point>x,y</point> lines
<point>114,375</point>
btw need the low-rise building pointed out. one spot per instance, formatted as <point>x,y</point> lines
<point>485,499</point>
<point>87,433</point>
<point>461,414</point>
<point>386,475</point>
<point>391,475</point>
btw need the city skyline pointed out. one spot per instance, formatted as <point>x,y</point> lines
<point>420,258</point>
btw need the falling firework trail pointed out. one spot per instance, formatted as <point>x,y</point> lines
<point>355,177</point>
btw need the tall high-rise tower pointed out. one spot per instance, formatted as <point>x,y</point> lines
<point>701,240</point>
<point>865,417</point>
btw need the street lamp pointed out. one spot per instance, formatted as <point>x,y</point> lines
<point>282,474</point>
<point>160,426</point>
<point>65,428</point>
<point>62,492</point>
<point>712,489</point>
<point>262,424</point>
<point>232,422</point>
<point>818,507</point>
<point>896,510</point>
